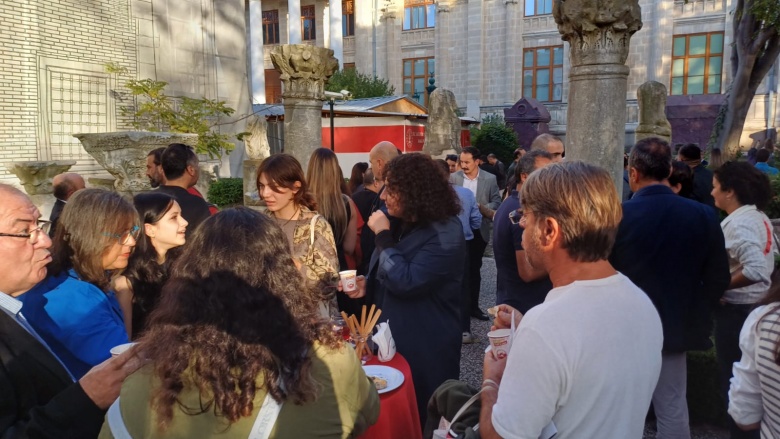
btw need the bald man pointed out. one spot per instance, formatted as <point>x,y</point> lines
<point>551,144</point>
<point>64,186</point>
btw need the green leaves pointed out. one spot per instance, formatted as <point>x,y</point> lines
<point>359,84</point>
<point>494,136</point>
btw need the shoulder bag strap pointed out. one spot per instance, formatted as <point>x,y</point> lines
<point>266,418</point>
<point>115,422</point>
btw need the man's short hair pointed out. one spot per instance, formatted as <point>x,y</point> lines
<point>368,177</point>
<point>542,140</point>
<point>582,198</point>
<point>157,154</point>
<point>473,151</point>
<point>492,156</point>
<point>452,158</point>
<point>517,152</point>
<point>690,151</point>
<point>176,158</point>
<point>527,163</point>
<point>445,168</point>
<point>652,157</point>
<point>62,188</point>
<point>762,155</point>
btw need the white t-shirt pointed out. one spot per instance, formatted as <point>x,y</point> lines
<point>588,359</point>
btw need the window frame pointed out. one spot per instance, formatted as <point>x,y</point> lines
<point>549,67</point>
<point>707,56</point>
<point>421,7</point>
<point>312,36</point>
<point>348,18</point>
<point>268,22</point>
<point>412,77</point>
<point>534,5</point>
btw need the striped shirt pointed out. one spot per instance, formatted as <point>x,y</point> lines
<point>751,247</point>
<point>754,395</point>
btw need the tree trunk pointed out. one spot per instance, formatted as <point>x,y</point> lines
<point>738,101</point>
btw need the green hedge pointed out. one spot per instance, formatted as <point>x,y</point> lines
<point>704,401</point>
<point>226,192</point>
<point>773,210</point>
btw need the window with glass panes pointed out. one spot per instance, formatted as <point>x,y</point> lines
<point>307,23</point>
<point>538,7</point>
<point>348,18</point>
<point>419,14</point>
<point>271,27</point>
<point>697,64</point>
<point>543,73</point>
<point>416,73</point>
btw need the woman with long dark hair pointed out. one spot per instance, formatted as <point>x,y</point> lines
<point>283,187</point>
<point>163,231</point>
<point>742,191</point>
<point>74,309</point>
<point>236,343</point>
<point>356,178</point>
<point>416,270</point>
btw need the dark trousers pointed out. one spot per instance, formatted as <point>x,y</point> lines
<point>465,293</point>
<point>729,319</point>
<point>476,250</point>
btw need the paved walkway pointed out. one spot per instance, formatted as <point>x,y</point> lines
<point>472,355</point>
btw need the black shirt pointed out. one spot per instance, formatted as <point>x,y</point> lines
<point>194,209</point>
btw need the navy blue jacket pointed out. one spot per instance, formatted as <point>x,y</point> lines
<point>673,249</point>
<point>417,283</point>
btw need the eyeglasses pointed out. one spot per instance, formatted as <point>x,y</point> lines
<point>517,216</point>
<point>124,238</point>
<point>41,226</point>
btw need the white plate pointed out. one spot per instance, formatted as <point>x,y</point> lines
<point>394,377</point>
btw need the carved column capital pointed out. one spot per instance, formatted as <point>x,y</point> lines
<point>599,31</point>
<point>36,177</point>
<point>304,69</point>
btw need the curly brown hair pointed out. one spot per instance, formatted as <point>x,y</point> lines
<point>234,308</point>
<point>425,194</point>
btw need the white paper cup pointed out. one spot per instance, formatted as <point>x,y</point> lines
<point>500,342</point>
<point>348,280</point>
<point>116,350</point>
<point>439,434</point>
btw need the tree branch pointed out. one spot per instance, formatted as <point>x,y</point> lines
<point>767,59</point>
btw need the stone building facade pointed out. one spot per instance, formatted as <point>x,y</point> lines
<point>53,81</point>
<point>481,50</point>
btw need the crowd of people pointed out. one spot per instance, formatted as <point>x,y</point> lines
<point>232,312</point>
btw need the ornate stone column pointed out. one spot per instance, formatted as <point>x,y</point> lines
<point>256,51</point>
<point>304,70</point>
<point>598,33</point>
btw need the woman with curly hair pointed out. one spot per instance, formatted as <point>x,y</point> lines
<point>416,270</point>
<point>742,191</point>
<point>236,343</point>
<point>282,186</point>
<point>138,289</point>
<point>74,309</point>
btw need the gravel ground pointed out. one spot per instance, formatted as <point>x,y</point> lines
<point>472,355</point>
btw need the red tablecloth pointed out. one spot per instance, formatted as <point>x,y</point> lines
<point>398,416</point>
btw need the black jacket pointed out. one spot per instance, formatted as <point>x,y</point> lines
<point>673,249</point>
<point>38,399</point>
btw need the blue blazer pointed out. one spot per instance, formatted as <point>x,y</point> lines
<point>673,249</point>
<point>78,321</point>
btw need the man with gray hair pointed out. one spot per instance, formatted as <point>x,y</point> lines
<point>552,144</point>
<point>517,284</point>
<point>588,357</point>
<point>38,396</point>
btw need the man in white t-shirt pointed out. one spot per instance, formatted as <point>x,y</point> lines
<point>589,357</point>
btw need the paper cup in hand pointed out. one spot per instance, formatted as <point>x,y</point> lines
<point>117,350</point>
<point>348,280</point>
<point>500,342</point>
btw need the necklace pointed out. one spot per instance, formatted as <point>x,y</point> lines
<point>291,218</point>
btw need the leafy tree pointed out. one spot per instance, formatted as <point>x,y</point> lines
<point>494,136</point>
<point>359,84</point>
<point>754,51</point>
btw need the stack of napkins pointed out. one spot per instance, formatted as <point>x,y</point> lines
<point>384,342</point>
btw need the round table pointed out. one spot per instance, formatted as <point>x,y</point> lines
<point>398,416</point>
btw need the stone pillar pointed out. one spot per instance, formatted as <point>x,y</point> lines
<point>336,31</point>
<point>651,97</point>
<point>599,37</point>
<point>256,51</point>
<point>510,51</point>
<point>251,197</point>
<point>36,179</point>
<point>304,70</point>
<point>442,133</point>
<point>294,34</point>
<point>475,60</point>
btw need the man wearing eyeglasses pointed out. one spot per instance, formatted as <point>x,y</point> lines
<point>517,284</point>
<point>38,397</point>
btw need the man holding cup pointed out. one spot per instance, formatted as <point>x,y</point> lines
<point>589,357</point>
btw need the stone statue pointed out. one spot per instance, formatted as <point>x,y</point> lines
<point>36,177</point>
<point>256,143</point>
<point>599,31</point>
<point>443,130</point>
<point>651,97</point>
<point>304,70</point>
